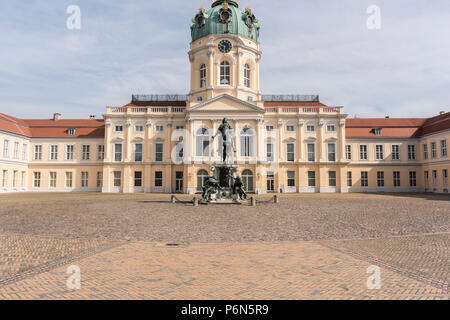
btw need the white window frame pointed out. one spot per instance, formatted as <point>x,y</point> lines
<point>36,179</point>
<point>380,179</point>
<point>413,178</point>
<point>52,179</point>
<point>135,151</point>
<point>308,153</point>
<point>366,179</point>
<point>25,152</point>
<point>309,127</point>
<point>396,175</point>
<point>293,151</point>
<point>117,177</point>
<point>16,150</point>
<point>333,125</point>
<point>347,152</point>
<point>225,73</point>
<point>159,128</point>
<point>378,154</point>
<point>288,126</point>
<point>53,156</point>
<point>443,147</point>
<point>100,152</point>
<point>203,74</point>
<point>69,156</point>
<point>6,149</point>
<point>433,151</point>
<point>414,154</point>
<point>84,179</point>
<point>85,155</point>
<point>247,75</point>
<point>399,152</point>
<point>425,153</point>
<point>115,153</point>
<point>162,152</point>
<point>68,182</point>
<point>138,127</point>
<point>328,151</point>
<point>118,126</point>
<point>37,155</point>
<point>272,152</point>
<point>4,178</point>
<point>366,152</point>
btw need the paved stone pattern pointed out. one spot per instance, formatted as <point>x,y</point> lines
<point>20,253</point>
<point>290,270</point>
<point>426,257</point>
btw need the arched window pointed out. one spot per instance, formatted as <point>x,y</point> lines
<point>203,76</point>
<point>202,175</point>
<point>247,142</point>
<point>203,138</point>
<point>225,73</point>
<point>247,179</point>
<point>247,75</point>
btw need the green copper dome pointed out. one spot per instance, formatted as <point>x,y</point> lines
<point>225,17</point>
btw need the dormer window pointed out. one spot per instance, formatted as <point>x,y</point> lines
<point>378,132</point>
<point>71,131</point>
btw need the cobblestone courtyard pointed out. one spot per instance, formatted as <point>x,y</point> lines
<point>307,247</point>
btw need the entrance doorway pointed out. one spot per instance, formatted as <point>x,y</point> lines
<point>270,182</point>
<point>179,182</point>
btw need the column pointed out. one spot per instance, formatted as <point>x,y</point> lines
<point>127,141</point>
<point>280,153</point>
<point>148,144</point>
<point>108,149</point>
<point>342,141</point>
<point>320,141</point>
<point>299,140</point>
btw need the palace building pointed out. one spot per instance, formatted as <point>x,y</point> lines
<point>284,143</point>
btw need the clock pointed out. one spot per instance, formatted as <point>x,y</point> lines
<point>225,46</point>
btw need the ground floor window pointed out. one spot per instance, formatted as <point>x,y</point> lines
<point>435,179</point>
<point>445,178</point>
<point>15,174</point>
<point>84,179</point>
<point>270,182</point>
<point>158,179</point>
<point>364,179</point>
<point>291,178</point>
<point>380,179</point>
<point>99,179</point>
<point>426,176</point>
<point>332,178</point>
<point>349,179</point>
<point>4,178</point>
<point>202,175</point>
<point>52,179</point>
<point>117,178</point>
<point>396,179</point>
<point>69,176</point>
<point>37,180</point>
<point>412,179</point>
<point>247,179</point>
<point>138,178</point>
<point>179,179</point>
<point>311,178</point>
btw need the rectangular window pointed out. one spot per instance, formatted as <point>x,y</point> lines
<point>332,178</point>
<point>433,150</point>
<point>25,152</point>
<point>270,157</point>
<point>425,151</point>
<point>435,179</point>
<point>100,179</point>
<point>38,153</point>
<point>427,179</point>
<point>159,128</point>
<point>378,132</point>
<point>380,179</point>
<point>412,179</point>
<point>15,174</point>
<point>364,179</point>
<point>86,153</point>
<point>37,180</point>
<point>101,152</point>
<point>138,152</point>
<point>247,148</point>
<point>379,152</point>
<point>16,150</point>
<point>331,128</point>
<point>395,152</point>
<point>70,150</point>
<point>311,152</point>
<point>54,152</point>
<point>84,179</point>
<point>363,155</point>
<point>310,128</point>
<point>348,152</point>
<point>443,148</point>
<point>158,179</point>
<point>290,128</point>
<point>270,128</point>
<point>138,179</point>
<point>396,178</point>
<point>118,152</point>
<point>311,178</point>
<point>52,179</point>
<point>290,148</point>
<point>445,178</point>
<point>291,178</point>
<point>118,128</point>
<point>69,179</point>
<point>5,179</point>
<point>179,128</point>
<point>22,178</point>
<point>139,128</point>
<point>331,152</point>
<point>349,179</point>
<point>412,152</point>
<point>159,152</point>
<point>6,149</point>
<point>117,179</point>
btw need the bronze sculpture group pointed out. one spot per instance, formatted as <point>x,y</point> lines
<point>227,185</point>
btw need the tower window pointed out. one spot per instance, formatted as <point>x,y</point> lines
<point>203,76</point>
<point>225,73</point>
<point>247,75</point>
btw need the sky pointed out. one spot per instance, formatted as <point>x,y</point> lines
<point>140,47</point>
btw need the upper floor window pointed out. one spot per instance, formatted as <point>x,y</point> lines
<point>159,152</point>
<point>363,154</point>
<point>425,151</point>
<point>290,128</point>
<point>139,128</point>
<point>433,150</point>
<point>118,128</point>
<point>247,142</point>
<point>179,128</point>
<point>118,152</point>
<point>203,138</point>
<point>310,128</point>
<point>24,152</point>
<point>225,73</point>
<point>270,128</point>
<point>348,152</point>
<point>138,152</point>
<point>412,152</point>
<point>379,152</point>
<point>69,152</point>
<point>331,152</point>
<point>331,128</point>
<point>159,128</point>
<point>247,75</point>
<point>311,152</point>
<point>86,152</point>
<point>203,76</point>
<point>38,153</point>
<point>395,152</point>
<point>54,152</point>
<point>290,152</point>
<point>6,149</point>
<point>443,148</point>
<point>16,150</point>
<point>101,152</point>
<point>378,132</point>
<point>269,152</point>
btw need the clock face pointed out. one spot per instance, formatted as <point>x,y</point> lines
<point>225,46</point>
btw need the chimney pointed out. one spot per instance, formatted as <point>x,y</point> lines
<point>56,116</point>
<point>387,117</point>
<point>441,113</point>
<point>92,117</point>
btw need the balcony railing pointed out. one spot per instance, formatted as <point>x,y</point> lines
<point>305,110</point>
<point>145,110</point>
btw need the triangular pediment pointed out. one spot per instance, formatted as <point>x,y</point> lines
<point>225,104</point>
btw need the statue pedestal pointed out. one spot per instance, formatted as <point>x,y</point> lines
<point>225,174</point>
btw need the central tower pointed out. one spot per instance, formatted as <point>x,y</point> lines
<point>224,53</point>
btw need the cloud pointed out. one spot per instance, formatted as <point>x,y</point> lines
<point>309,47</point>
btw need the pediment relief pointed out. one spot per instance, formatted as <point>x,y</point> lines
<point>225,104</point>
